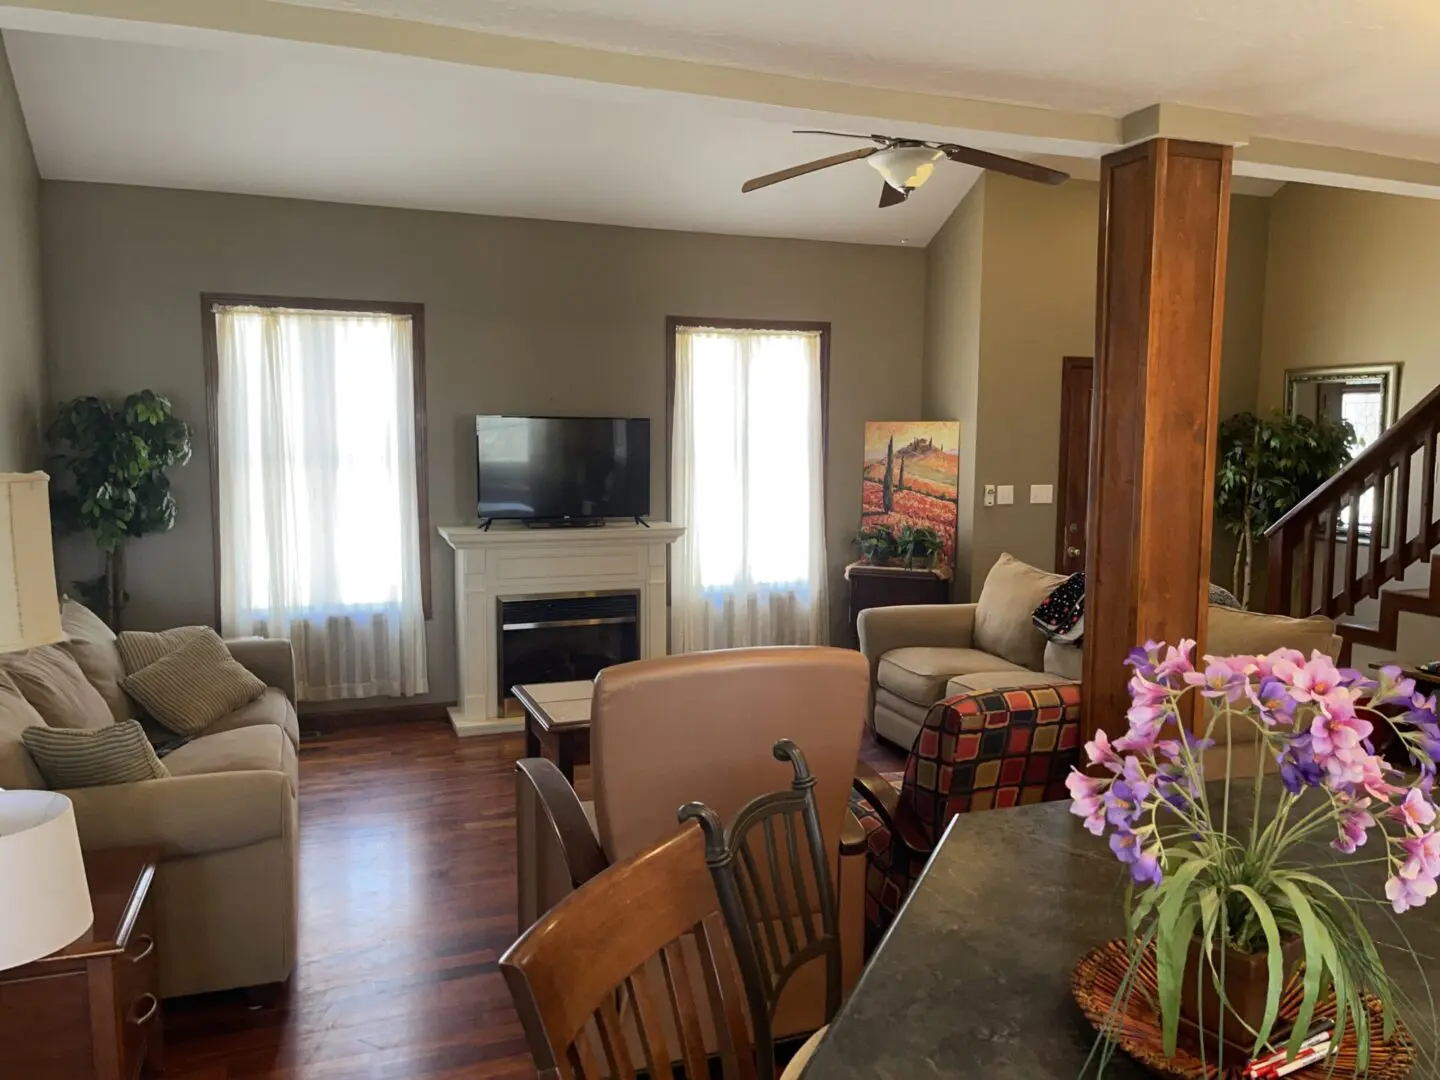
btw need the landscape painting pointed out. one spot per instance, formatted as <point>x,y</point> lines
<point>912,477</point>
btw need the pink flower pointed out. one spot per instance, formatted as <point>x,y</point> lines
<point>1415,813</point>
<point>1405,893</point>
<point>1142,736</point>
<point>1336,736</point>
<point>1176,662</point>
<point>1146,693</point>
<point>1087,800</point>
<point>1423,856</point>
<point>1312,681</point>
<point>1373,772</point>
<point>1355,822</point>
<point>1100,752</point>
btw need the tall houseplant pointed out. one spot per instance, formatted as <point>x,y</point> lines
<point>1266,466</point>
<point>1244,891</point>
<point>110,464</point>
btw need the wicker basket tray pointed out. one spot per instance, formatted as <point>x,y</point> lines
<point>1135,1028</point>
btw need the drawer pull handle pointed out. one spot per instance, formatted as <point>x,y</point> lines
<point>149,947</point>
<point>149,1014</point>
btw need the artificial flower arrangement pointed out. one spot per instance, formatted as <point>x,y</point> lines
<point>1216,890</point>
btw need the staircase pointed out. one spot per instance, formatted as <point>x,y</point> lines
<point>1319,564</point>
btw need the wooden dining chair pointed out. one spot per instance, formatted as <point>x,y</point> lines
<point>605,978</point>
<point>772,874</point>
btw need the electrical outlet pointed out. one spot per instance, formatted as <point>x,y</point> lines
<point>1005,495</point>
<point>989,494</point>
<point>1042,493</point>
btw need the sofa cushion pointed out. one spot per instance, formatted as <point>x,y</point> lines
<point>272,709</point>
<point>94,757</point>
<point>1231,632</point>
<point>264,749</point>
<point>52,681</point>
<point>194,686</point>
<point>1004,618</point>
<point>92,644</point>
<point>17,767</point>
<point>1067,661</point>
<point>1002,680</point>
<point>141,648</point>
<point>919,673</point>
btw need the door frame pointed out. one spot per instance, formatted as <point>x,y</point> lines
<point>1067,365</point>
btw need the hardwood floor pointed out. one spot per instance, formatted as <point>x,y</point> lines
<point>407,900</point>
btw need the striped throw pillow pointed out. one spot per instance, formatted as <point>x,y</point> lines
<point>141,648</point>
<point>192,687</point>
<point>91,757</point>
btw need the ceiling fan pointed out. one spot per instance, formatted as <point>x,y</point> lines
<point>905,164</point>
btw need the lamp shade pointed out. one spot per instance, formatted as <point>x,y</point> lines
<point>905,167</point>
<point>44,900</point>
<point>29,608</point>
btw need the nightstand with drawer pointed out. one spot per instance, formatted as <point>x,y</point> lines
<point>91,1011</point>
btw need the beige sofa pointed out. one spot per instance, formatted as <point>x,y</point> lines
<point>922,654</point>
<point>225,821</point>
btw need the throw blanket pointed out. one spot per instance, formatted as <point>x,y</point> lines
<point>1061,615</point>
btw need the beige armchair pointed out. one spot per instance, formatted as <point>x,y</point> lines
<point>701,727</point>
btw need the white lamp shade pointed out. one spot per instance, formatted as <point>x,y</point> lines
<point>905,167</point>
<point>29,608</point>
<point>44,900</point>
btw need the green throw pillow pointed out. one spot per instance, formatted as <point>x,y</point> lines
<point>91,757</point>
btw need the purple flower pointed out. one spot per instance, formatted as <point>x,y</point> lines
<point>1415,813</point>
<point>1274,702</point>
<point>1407,893</point>
<point>1143,658</point>
<point>1125,802</point>
<point>1414,882</point>
<point>1393,687</point>
<point>1298,767</point>
<point>1086,800</point>
<point>1100,752</point>
<point>1219,680</point>
<point>1355,822</point>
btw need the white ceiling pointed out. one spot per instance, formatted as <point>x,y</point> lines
<point>275,118</point>
<point>1305,69</point>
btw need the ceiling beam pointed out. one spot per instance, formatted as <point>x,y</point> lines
<point>404,37</point>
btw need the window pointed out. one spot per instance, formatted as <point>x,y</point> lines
<point>747,482</point>
<point>1364,408</point>
<point>318,471</point>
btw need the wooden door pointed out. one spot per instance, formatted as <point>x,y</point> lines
<point>1077,386</point>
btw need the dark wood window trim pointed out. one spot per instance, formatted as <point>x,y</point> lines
<point>210,301</point>
<point>678,322</point>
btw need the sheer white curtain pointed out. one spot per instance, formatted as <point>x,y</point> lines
<point>747,469</point>
<point>319,527</point>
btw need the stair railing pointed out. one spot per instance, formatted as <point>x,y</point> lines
<point>1305,573</point>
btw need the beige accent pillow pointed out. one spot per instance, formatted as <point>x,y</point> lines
<point>1067,661</point>
<point>17,767</point>
<point>1004,625</point>
<point>141,648</point>
<point>1231,632</point>
<point>118,754</point>
<point>92,644</point>
<point>52,681</point>
<point>194,686</point>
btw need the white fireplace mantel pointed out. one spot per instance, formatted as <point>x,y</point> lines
<point>510,561</point>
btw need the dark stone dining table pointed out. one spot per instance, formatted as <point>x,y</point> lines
<point>973,979</point>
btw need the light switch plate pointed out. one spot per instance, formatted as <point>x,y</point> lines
<point>989,494</point>
<point>1042,493</point>
<point>1005,494</point>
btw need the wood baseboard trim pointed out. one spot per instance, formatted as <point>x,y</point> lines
<point>337,719</point>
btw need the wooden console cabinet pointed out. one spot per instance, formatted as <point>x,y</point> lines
<point>92,1010</point>
<point>886,586</point>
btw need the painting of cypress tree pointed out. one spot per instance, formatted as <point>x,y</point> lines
<point>912,477</point>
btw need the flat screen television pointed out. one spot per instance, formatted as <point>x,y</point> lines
<point>562,469</point>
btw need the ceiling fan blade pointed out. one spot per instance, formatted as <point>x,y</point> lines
<point>890,197</point>
<point>840,134</point>
<point>808,167</point>
<point>983,159</point>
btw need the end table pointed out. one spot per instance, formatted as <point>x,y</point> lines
<point>91,1011</point>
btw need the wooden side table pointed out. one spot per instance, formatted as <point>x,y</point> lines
<point>886,586</point>
<point>92,1010</point>
<point>557,718</point>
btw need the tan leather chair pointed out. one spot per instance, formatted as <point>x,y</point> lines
<point>700,728</point>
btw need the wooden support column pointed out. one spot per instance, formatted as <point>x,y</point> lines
<point>1164,221</point>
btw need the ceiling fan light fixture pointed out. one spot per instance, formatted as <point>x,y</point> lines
<point>905,167</point>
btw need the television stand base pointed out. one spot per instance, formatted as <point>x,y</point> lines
<point>641,521</point>
<point>563,523</point>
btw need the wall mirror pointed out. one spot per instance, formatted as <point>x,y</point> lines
<point>1367,395</point>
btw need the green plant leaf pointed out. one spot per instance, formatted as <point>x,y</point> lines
<point>1176,918</point>
<point>1316,941</point>
<point>1275,960</point>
